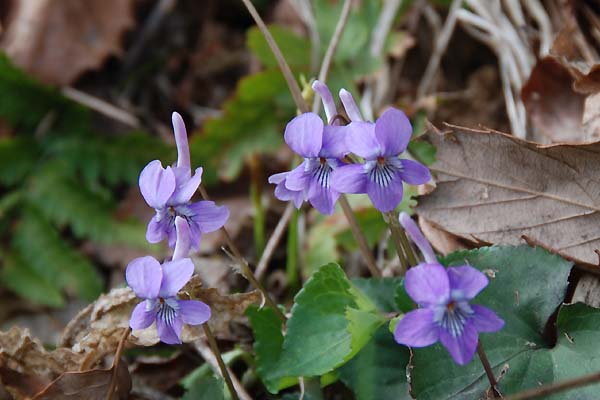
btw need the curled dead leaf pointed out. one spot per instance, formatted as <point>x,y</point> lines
<point>90,385</point>
<point>497,188</point>
<point>96,329</point>
<point>58,40</point>
<point>555,109</point>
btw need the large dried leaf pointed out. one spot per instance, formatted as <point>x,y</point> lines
<point>89,385</point>
<point>57,40</point>
<point>496,188</point>
<point>98,327</point>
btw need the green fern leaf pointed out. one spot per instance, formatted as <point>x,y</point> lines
<point>40,245</point>
<point>18,276</point>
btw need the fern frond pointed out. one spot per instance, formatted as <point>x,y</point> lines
<point>17,158</point>
<point>40,245</point>
<point>18,276</point>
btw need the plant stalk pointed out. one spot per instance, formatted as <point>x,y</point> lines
<point>245,268</point>
<point>360,238</point>
<point>488,370</point>
<point>215,349</point>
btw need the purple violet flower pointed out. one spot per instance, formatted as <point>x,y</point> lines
<point>322,147</point>
<point>158,285</point>
<point>169,191</point>
<point>443,295</point>
<point>380,144</point>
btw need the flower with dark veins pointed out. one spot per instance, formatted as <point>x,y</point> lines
<point>383,172</point>
<point>446,314</point>
<point>169,191</point>
<point>322,147</point>
<point>158,285</point>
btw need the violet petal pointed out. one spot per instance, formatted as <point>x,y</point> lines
<point>427,284</point>
<point>144,277</point>
<point>393,131</point>
<point>485,320</point>
<point>298,178</point>
<point>175,274</point>
<point>181,139</point>
<point>417,329</point>
<point>193,312</point>
<point>157,184</point>
<point>141,318</point>
<point>186,189</point>
<point>169,333</point>
<point>208,216</point>
<point>417,237</point>
<point>466,282</point>
<point>351,178</point>
<point>461,347</point>
<point>304,134</point>
<point>183,244</point>
<point>385,198</point>
<point>414,173</point>
<point>361,140</point>
<point>157,230</point>
<point>334,142</point>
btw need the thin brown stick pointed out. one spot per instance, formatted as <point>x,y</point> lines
<point>546,390</point>
<point>245,268</point>
<point>283,65</point>
<point>100,106</point>
<point>488,370</point>
<point>115,367</point>
<point>274,240</point>
<point>217,353</point>
<point>360,238</point>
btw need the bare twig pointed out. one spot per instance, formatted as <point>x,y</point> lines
<point>222,367</point>
<point>283,65</point>
<point>261,267</point>
<point>100,106</point>
<point>115,367</point>
<point>546,390</point>
<point>210,358</point>
<point>360,239</point>
<point>441,43</point>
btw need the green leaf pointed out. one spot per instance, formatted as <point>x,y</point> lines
<point>17,158</point>
<point>268,343</point>
<point>318,337</point>
<point>381,291</point>
<point>27,283</point>
<point>206,388</point>
<point>295,49</point>
<point>526,287</point>
<point>331,321</point>
<point>25,103</point>
<point>41,247</point>
<point>63,200</point>
<point>253,121</point>
<point>423,151</point>
<point>379,370</point>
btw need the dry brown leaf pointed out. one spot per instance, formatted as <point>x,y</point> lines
<point>555,109</point>
<point>97,328</point>
<point>89,385</point>
<point>58,40</point>
<point>496,188</point>
<point>443,242</point>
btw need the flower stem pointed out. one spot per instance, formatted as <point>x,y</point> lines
<point>488,370</point>
<point>403,248</point>
<point>360,238</point>
<point>545,390</point>
<point>245,268</point>
<point>215,349</point>
<point>291,267</point>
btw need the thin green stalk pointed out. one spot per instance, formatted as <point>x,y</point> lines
<point>292,251</point>
<point>224,371</point>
